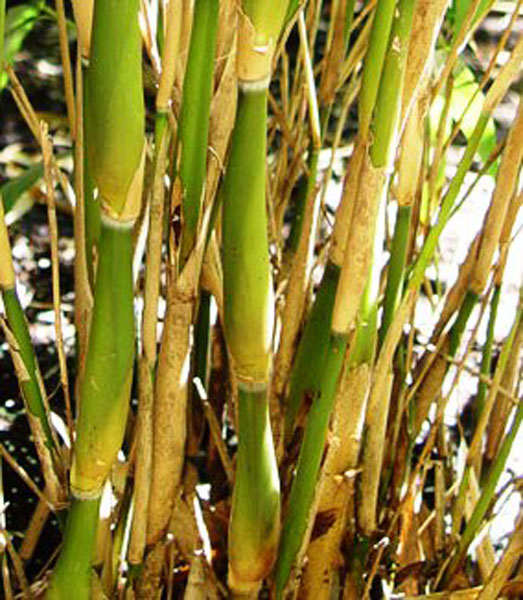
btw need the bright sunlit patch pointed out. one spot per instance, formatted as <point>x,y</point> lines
<point>60,427</point>
<point>47,69</point>
<point>202,530</point>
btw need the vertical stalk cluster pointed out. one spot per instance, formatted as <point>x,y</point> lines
<point>357,260</point>
<point>248,301</point>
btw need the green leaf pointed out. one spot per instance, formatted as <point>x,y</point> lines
<point>16,189</point>
<point>19,21</point>
<point>460,8</point>
<point>467,90</point>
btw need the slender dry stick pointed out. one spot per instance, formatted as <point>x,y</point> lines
<point>22,473</point>
<point>66,66</point>
<point>17,565</point>
<point>478,261</point>
<point>34,529</point>
<point>503,403</point>
<point>83,299</point>
<point>47,152</point>
<point>485,551</point>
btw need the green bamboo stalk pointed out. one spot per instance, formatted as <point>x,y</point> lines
<point>30,384</point>
<point>395,277</point>
<point>248,325</point>
<point>374,61</point>
<point>359,244</point>
<point>2,21</point>
<point>31,389</point>
<point>115,149</point>
<point>93,215</point>
<point>486,359</point>
<point>74,568</point>
<point>248,301</point>
<point>312,349</point>
<point>351,407</point>
<point>309,461</point>
<point>460,324</point>
<point>254,527</point>
<point>114,106</point>
<point>194,117</point>
<point>247,280</point>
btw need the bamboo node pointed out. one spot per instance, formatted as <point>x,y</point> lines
<point>79,494</point>
<point>254,56</point>
<point>251,385</point>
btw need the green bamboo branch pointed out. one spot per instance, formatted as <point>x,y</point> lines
<point>29,376</point>
<point>194,117</point>
<point>374,61</point>
<point>395,277</point>
<point>309,461</point>
<point>486,359</point>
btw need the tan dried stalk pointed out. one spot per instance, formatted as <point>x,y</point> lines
<point>170,399</point>
<point>376,419</point>
<point>426,27</point>
<point>66,66</point>
<point>360,240</point>
<point>169,434</point>
<point>506,187</point>
<point>34,529</point>
<point>501,573</point>
<point>147,361</point>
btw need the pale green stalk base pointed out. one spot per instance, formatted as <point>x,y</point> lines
<point>73,572</point>
<point>255,517</point>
